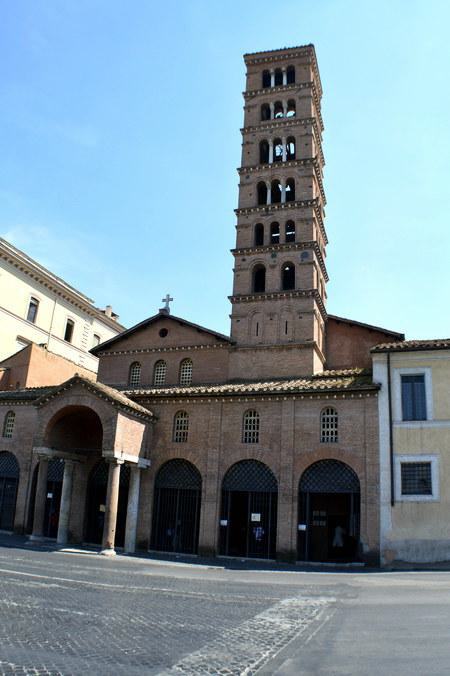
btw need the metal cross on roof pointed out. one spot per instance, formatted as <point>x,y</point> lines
<point>167,300</point>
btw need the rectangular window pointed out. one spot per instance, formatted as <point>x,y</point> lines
<point>95,340</point>
<point>68,333</point>
<point>32,310</point>
<point>413,397</point>
<point>416,478</point>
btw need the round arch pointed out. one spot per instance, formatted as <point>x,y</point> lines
<point>9,482</point>
<point>176,507</point>
<point>328,512</point>
<point>74,429</point>
<point>248,521</point>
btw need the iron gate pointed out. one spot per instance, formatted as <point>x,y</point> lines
<point>9,480</point>
<point>248,520</point>
<point>176,508</point>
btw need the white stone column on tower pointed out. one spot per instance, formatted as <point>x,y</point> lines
<point>66,500</point>
<point>270,151</point>
<point>284,76</point>
<point>272,78</point>
<point>272,110</point>
<point>283,191</point>
<point>283,141</point>
<point>112,501</point>
<point>285,108</point>
<point>132,509</point>
<point>269,193</point>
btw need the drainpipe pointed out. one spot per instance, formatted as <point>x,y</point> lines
<point>391,436</point>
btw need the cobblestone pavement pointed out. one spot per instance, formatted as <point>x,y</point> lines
<point>79,613</point>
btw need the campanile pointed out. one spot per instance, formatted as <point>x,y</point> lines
<point>279,291</point>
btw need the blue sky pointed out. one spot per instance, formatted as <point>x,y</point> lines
<point>119,141</point>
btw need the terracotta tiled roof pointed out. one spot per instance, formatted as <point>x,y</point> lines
<point>328,381</point>
<point>24,394</point>
<point>344,320</point>
<point>414,345</point>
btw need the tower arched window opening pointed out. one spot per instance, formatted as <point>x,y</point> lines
<point>186,372</point>
<point>277,150</point>
<point>159,373</point>
<point>262,193</point>
<point>265,112</point>
<point>288,276</point>
<point>291,110</point>
<point>134,376</point>
<point>278,110</point>
<point>180,427</point>
<point>266,78</point>
<point>276,191</point>
<point>290,75</point>
<point>289,231</point>
<point>264,152</point>
<point>250,427</point>
<point>275,233</point>
<point>290,148</point>
<point>290,190</point>
<point>259,279</point>
<point>329,425</point>
<point>259,234</point>
<point>8,424</point>
<point>278,77</point>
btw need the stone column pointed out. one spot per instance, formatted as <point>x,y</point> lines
<point>66,499</point>
<point>283,191</point>
<point>283,141</point>
<point>132,509</point>
<point>270,151</point>
<point>40,500</point>
<point>285,108</point>
<point>112,500</point>
<point>272,110</point>
<point>272,78</point>
<point>284,76</point>
<point>269,193</point>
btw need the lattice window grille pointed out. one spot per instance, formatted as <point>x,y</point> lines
<point>250,431</point>
<point>9,467</point>
<point>181,427</point>
<point>186,372</point>
<point>329,426</point>
<point>8,425</point>
<point>178,474</point>
<point>329,476</point>
<point>159,374</point>
<point>135,374</point>
<point>250,475</point>
<point>416,478</point>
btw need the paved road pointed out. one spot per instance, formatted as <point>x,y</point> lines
<point>78,613</point>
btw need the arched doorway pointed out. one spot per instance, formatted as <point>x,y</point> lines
<point>328,512</point>
<point>96,504</point>
<point>176,508</point>
<point>55,474</point>
<point>9,481</point>
<point>248,517</point>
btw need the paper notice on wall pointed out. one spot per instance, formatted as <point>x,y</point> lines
<point>302,526</point>
<point>256,517</point>
<point>223,522</point>
<point>49,496</point>
<point>102,508</point>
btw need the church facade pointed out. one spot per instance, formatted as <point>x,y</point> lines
<point>259,444</point>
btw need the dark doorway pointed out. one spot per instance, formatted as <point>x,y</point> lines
<point>328,513</point>
<point>55,473</point>
<point>9,481</point>
<point>96,504</point>
<point>248,519</point>
<point>176,508</point>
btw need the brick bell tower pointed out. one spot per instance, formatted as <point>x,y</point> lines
<point>278,302</point>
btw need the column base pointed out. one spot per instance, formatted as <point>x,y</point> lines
<point>108,552</point>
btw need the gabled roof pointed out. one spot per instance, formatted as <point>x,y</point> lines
<point>414,345</point>
<point>104,391</point>
<point>162,314</point>
<point>371,327</point>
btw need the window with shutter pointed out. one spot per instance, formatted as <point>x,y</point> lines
<point>413,397</point>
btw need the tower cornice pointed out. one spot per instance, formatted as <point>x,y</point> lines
<point>298,86</point>
<point>294,246</point>
<point>287,206</point>
<point>281,295</point>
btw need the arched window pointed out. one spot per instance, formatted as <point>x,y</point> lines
<point>275,233</point>
<point>278,77</point>
<point>290,190</point>
<point>278,110</point>
<point>290,75</point>
<point>277,150</point>
<point>186,372</point>
<point>32,310</point>
<point>265,112</point>
<point>266,78</point>
<point>262,193</point>
<point>329,425</point>
<point>180,427</point>
<point>259,279</point>
<point>259,234</point>
<point>250,427</point>
<point>288,276</point>
<point>290,148</point>
<point>159,373</point>
<point>289,231</point>
<point>291,108</point>
<point>134,376</point>
<point>8,424</point>
<point>263,152</point>
<point>276,191</point>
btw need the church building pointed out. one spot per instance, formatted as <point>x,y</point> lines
<point>263,443</point>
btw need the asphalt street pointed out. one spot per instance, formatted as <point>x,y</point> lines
<point>74,612</point>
